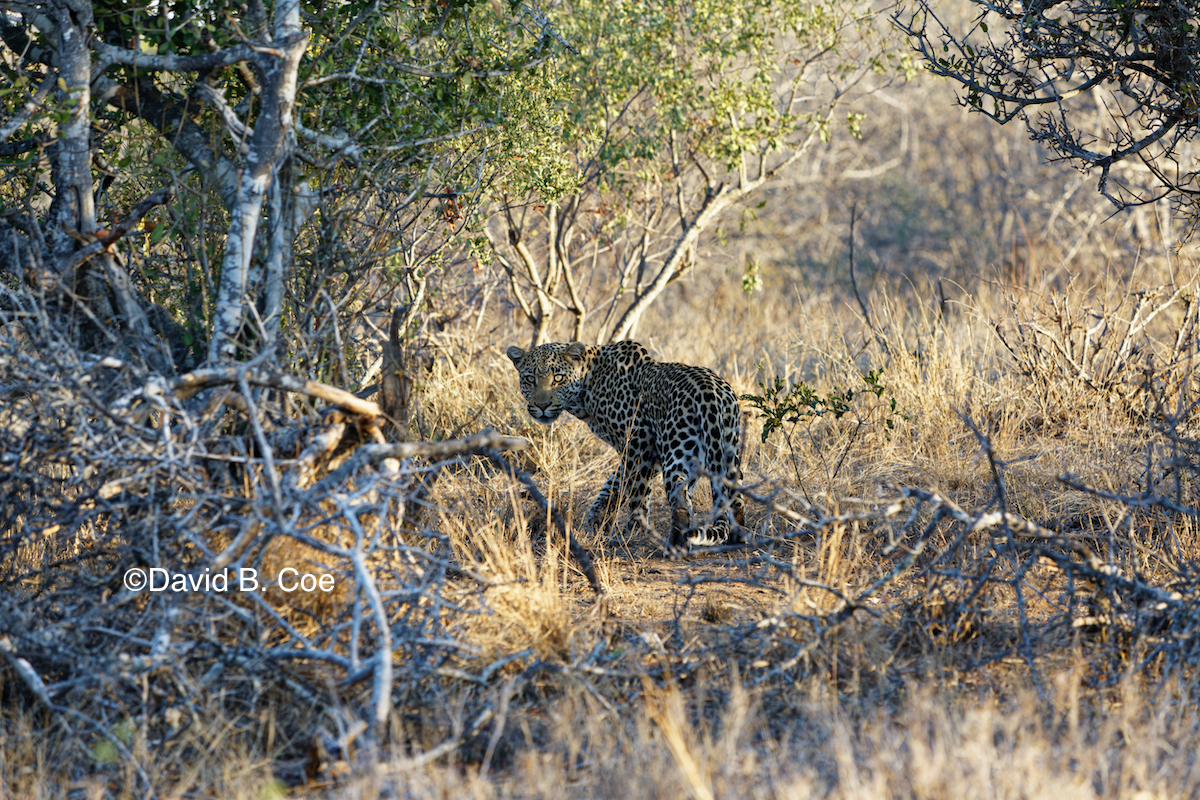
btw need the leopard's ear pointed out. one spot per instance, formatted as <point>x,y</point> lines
<point>516,354</point>
<point>575,351</point>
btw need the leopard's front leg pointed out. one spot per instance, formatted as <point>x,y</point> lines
<point>600,515</point>
<point>632,480</point>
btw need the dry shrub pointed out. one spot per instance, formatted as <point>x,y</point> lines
<point>108,476</point>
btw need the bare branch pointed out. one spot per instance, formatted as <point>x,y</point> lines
<point>109,54</point>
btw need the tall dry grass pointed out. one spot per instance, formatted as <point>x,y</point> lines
<point>673,699</point>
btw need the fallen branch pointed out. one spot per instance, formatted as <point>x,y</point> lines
<point>192,383</point>
<point>479,443</point>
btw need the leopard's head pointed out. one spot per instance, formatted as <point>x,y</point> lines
<point>552,378</point>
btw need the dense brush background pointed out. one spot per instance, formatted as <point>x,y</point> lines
<point>737,674</point>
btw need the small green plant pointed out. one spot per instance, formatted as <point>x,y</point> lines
<point>775,406</point>
<point>877,388</point>
<point>778,405</point>
<point>752,278</point>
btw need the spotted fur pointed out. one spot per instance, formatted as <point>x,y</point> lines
<point>675,419</point>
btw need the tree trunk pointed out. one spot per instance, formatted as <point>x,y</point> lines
<point>73,212</point>
<point>72,219</point>
<point>279,66</point>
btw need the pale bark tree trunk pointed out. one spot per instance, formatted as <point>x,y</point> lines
<point>282,226</point>
<point>72,220</point>
<point>73,213</point>
<point>716,200</point>
<point>679,261</point>
<point>279,65</point>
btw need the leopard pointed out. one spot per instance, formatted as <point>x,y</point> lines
<point>675,419</point>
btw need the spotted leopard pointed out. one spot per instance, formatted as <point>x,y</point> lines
<point>675,419</point>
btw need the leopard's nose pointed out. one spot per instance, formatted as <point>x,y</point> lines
<point>542,406</point>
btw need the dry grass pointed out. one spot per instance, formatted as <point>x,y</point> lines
<point>744,674</point>
<point>668,696</point>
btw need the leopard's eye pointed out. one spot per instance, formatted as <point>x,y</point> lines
<point>560,379</point>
